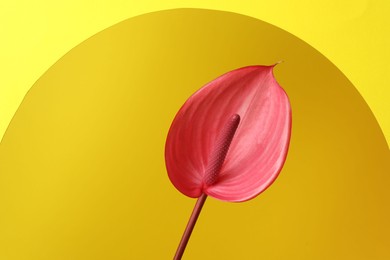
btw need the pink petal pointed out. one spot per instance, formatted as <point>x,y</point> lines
<point>259,147</point>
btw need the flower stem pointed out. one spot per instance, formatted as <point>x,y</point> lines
<point>190,226</point>
<point>216,160</point>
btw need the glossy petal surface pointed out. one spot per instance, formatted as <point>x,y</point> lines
<point>260,144</point>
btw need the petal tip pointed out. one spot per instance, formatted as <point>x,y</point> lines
<point>278,62</point>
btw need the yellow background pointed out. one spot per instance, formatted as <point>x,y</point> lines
<point>82,167</point>
<point>353,34</point>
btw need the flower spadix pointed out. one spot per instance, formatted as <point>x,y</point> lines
<point>230,139</point>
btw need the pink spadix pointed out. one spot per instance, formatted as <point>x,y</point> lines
<point>221,148</point>
<point>229,140</point>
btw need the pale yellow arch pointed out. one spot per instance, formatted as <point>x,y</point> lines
<point>353,34</point>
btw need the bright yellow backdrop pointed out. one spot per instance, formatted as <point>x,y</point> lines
<point>82,171</point>
<point>353,34</point>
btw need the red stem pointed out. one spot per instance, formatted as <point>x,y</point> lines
<point>215,163</point>
<point>190,226</point>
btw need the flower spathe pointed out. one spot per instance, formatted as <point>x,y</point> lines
<point>258,149</point>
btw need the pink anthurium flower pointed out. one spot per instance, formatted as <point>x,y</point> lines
<point>259,146</point>
<point>230,139</point>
